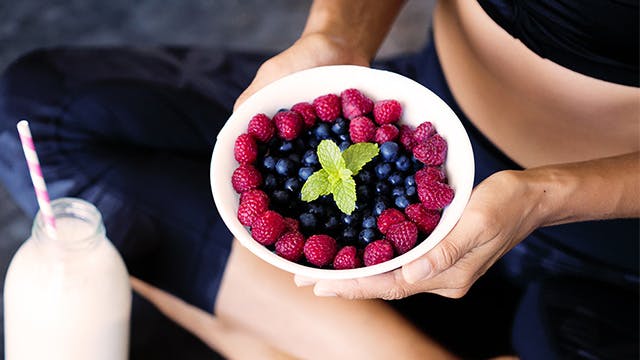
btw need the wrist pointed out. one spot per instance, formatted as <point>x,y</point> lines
<point>357,27</point>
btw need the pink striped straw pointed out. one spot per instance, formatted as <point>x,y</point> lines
<point>36,178</point>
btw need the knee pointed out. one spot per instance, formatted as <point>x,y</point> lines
<point>29,81</point>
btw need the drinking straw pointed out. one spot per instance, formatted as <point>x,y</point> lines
<point>36,178</point>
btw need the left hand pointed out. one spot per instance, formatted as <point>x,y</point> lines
<point>501,212</point>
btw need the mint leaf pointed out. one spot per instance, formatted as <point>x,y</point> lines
<point>358,155</point>
<point>330,157</point>
<point>316,185</point>
<point>344,194</point>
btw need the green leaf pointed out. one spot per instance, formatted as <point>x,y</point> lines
<point>358,155</point>
<point>330,157</point>
<point>316,185</point>
<point>344,195</point>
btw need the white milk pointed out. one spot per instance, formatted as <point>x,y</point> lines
<point>67,298</point>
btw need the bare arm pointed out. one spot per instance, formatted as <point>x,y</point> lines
<point>337,32</point>
<point>598,189</point>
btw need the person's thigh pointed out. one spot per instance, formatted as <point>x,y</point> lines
<point>132,132</point>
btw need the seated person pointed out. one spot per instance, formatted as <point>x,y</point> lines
<point>553,120</point>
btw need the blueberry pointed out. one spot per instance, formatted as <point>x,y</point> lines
<point>310,158</point>
<point>332,222</point>
<point>286,146</point>
<point>382,187</point>
<point>383,170</point>
<point>378,207</point>
<point>364,176</point>
<point>293,185</point>
<point>345,137</point>
<point>281,196</point>
<point>316,209</point>
<point>397,191</point>
<point>270,182</point>
<point>313,142</point>
<point>308,221</point>
<point>362,192</point>
<point>369,222</point>
<point>366,236</point>
<point>410,190</point>
<point>340,127</point>
<point>344,145</point>
<point>401,202</point>
<point>322,131</point>
<point>269,162</point>
<point>349,234</point>
<point>349,219</point>
<point>403,163</point>
<point>395,179</point>
<point>410,181</point>
<point>284,167</point>
<point>389,151</point>
<point>305,172</point>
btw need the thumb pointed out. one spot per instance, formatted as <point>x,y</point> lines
<point>440,258</point>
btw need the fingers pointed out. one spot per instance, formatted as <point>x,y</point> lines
<point>388,286</point>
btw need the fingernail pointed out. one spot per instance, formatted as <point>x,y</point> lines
<point>303,281</point>
<point>319,291</point>
<point>416,271</point>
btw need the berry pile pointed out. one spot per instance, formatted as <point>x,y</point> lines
<point>399,193</point>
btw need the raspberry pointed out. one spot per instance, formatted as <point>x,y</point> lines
<point>386,132</point>
<point>245,149</point>
<point>261,127</point>
<point>245,178</point>
<point>355,103</point>
<point>425,219</point>
<point>347,258</point>
<point>291,224</point>
<point>424,131</point>
<point>378,252</point>
<point>435,195</point>
<point>290,245</point>
<point>289,124</point>
<point>431,152</point>
<point>320,249</point>
<point>389,217</point>
<point>267,227</point>
<point>362,129</point>
<point>429,174</point>
<point>327,107</point>
<point>308,113</point>
<point>387,111</point>
<point>403,236</point>
<point>406,137</point>
<point>253,203</point>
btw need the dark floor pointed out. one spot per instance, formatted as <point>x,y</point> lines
<point>254,24</point>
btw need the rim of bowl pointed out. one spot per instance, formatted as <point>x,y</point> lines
<point>351,76</point>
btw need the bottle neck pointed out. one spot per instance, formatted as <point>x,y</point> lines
<point>78,225</point>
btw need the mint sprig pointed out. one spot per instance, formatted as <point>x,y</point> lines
<point>336,175</point>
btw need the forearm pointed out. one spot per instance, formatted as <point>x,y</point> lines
<point>358,24</point>
<point>598,189</point>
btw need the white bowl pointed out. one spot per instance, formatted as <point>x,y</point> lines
<point>419,105</point>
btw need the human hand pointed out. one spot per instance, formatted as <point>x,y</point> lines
<point>501,212</point>
<point>311,50</point>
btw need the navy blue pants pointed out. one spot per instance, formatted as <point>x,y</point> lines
<point>132,132</point>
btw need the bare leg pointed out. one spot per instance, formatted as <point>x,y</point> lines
<point>258,301</point>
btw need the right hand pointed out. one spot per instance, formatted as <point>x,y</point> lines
<point>311,50</point>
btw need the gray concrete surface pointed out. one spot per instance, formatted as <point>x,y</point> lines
<point>255,24</point>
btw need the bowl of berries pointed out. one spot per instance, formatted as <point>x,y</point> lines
<point>341,172</point>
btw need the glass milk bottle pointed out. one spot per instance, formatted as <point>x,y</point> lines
<point>67,298</point>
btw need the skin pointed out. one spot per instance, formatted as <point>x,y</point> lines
<point>529,108</point>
